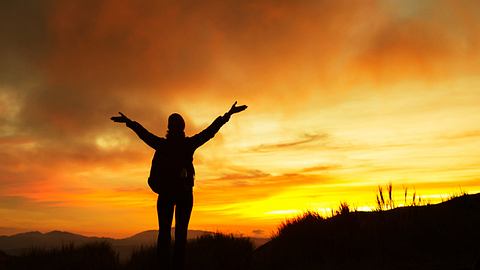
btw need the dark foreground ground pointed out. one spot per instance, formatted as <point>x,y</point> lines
<point>442,236</point>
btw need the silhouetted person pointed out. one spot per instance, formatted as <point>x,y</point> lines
<point>172,177</point>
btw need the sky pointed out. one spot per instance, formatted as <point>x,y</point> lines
<point>343,97</point>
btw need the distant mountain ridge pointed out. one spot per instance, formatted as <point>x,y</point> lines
<point>18,243</point>
<point>21,242</point>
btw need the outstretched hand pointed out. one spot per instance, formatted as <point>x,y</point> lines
<point>120,119</point>
<point>236,109</point>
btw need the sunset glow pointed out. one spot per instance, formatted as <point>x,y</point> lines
<point>343,96</point>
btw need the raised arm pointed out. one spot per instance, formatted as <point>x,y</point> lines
<point>150,139</point>
<point>208,133</point>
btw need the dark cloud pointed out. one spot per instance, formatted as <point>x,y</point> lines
<point>77,62</point>
<point>24,40</point>
<point>86,59</point>
<point>68,66</point>
<point>430,44</point>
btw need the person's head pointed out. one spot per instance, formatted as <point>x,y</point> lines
<point>176,125</point>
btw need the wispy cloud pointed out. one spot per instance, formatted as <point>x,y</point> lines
<point>469,134</point>
<point>322,168</point>
<point>306,140</point>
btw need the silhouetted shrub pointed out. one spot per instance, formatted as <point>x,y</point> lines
<point>343,209</point>
<point>92,256</point>
<point>305,222</point>
<point>219,251</point>
<point>212,252</point>
<point>143,258</point>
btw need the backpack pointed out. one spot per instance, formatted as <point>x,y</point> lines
<point>172,168</point>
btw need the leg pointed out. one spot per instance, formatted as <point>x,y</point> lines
<point>182,217</point>
<point>165,216</point>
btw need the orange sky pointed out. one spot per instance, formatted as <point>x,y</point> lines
<point>343,96</point>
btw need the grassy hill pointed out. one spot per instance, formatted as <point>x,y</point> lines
<point>441,236</point>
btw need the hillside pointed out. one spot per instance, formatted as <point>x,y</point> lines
<point>441,236</point>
